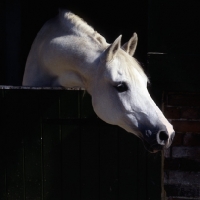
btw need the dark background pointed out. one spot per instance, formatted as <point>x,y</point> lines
<point>169,48</point>
<point>21,20</point>
<point>173,29</point>
<point>169,27</point>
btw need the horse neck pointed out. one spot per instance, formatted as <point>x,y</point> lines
<point>83,48</point>
<point>82,65</point>
<point>87,67</point>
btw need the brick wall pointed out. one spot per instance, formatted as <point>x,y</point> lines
<point>182,159</point>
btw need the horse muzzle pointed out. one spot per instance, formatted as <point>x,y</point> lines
<point>161,140</point>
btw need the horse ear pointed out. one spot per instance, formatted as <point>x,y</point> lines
<point>131,45</point>
<point>112,50</point>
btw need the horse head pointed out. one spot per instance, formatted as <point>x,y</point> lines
<point>72,54</point>
<point>120,96</point>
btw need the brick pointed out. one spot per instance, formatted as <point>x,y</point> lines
<point>187,99</point>
<point>172,164</point>
<point>181,164</point>
<point>184,178</point>
<point>193,153</point>
<point>172,112</point>
<point>182,191</point>
<point>190,113</point>
<point>191,139</point>
<point>186,126</point>
<point>178,139</point>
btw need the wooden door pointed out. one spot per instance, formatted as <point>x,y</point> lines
<point>53,146</point>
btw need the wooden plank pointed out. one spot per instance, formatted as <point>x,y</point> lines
<point>2,148</point>
<point>108,162</point>
<point>89,147</point>
<point>51,167</point>
<point>89,150</point>
<point>14,161</point>
<point>49,103</point>
<point>142,187</point>
<point>71,166</point>
<point>128,174</point>
<point>71,161</point>
<point>13,146</point>
<point>154,170</point>
<point>86,106</point>
<point>71,135</point>
<point>33,161</point>
<point>69,104</point>
<point>51,161</point>
<point>32,145</point>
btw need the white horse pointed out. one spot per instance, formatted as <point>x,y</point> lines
<point>68,52</point>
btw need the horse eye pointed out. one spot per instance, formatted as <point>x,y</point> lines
<point>121,87</point>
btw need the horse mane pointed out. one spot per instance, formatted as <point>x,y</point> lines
<point>79,26</point>
<point>73,22</point>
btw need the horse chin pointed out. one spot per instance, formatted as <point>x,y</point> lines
<point>152,148</point>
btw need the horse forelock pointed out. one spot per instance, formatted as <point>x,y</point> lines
<point>131,65</point>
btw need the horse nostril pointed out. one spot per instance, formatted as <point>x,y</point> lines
<point>163,135</point>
